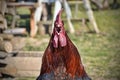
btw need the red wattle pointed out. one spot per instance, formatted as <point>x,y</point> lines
<point>55,41</point>
<point>62,40</point>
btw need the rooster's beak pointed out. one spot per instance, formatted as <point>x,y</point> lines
<point>58,29</point>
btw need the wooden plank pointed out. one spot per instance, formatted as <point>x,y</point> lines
<point>15,31</point>
<point>72,19</point>
<point>77,19</point>
<point>22,54</point>
<point>27,4</point>
<point>75,1</point>
<point>26,63</point>
<point>30,53</point>
<point>16,66</point>
<point>45,22</point>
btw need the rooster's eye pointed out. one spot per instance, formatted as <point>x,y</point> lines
<point>56,23</point>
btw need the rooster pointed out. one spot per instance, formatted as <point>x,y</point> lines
<point>61,59</point>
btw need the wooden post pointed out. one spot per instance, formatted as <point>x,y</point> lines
<point>33,28</point>
<point>41,29</point>
<point>13,10</point>
<point>3,6</point>
<point>76,9</point>
<point>90,15</point>
<point>3,22</point>
<point>105,4</point>
<point>72,30</point>
<point>98,3</point>
<point>69,15</point>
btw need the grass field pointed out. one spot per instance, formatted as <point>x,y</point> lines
<point>100,53</point>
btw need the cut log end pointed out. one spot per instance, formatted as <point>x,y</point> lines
<point>6,46</point>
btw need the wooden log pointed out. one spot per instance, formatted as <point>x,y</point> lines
<point>3,55</point>
<point>6,46</point>
<point>17,43</point>
<point>15,31</point>
<point>21,66</point>
<point>6,36</point>
<point>1,39</point>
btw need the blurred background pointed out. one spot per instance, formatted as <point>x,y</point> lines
<point>26,27</point>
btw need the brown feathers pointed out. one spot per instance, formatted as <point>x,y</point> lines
<point>61,59</point>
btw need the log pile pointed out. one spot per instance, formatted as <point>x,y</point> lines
<point>20,64</point>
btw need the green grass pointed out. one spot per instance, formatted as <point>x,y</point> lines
<point>100,53</point>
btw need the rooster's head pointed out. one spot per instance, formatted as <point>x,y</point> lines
<point>59,32</point>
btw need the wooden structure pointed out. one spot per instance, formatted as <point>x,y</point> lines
<point>88,11</point>
<point>90,15</point>
<point>21,63</point>
<point>5,44</point>
<point>9,43</point>
<point>32,6</point>
<point>10,8</point>
<point>84,21</point>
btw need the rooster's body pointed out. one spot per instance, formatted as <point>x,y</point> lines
<point>61,60</point>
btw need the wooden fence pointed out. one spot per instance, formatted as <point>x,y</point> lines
<point>21,64</point>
